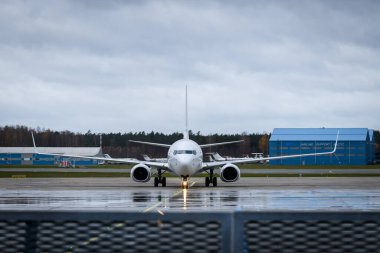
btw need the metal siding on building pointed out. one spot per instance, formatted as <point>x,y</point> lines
<point>353,148</point>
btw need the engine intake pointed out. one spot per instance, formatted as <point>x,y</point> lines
<point>140,173</point>
<point>229,173</point>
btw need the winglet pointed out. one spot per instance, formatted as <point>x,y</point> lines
<point>34,144</point>
<point>336,143</point>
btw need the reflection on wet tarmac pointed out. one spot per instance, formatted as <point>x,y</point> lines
<point>261,194</point>
<point>184,196</point>
<point>193,199</point>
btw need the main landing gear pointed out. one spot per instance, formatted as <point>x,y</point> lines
<point>211,179</point>
<point>159,179</point>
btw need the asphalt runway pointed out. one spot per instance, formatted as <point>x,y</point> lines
<point>257,194</point>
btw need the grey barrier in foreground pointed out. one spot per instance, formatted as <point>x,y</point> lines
<point>71,231</point>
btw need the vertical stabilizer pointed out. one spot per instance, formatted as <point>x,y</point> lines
<point>34,143</point>
<point>186,133</point>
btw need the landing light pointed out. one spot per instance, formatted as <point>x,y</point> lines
<point>184,184</point>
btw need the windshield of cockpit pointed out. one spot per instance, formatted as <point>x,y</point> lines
<point>188,152</point>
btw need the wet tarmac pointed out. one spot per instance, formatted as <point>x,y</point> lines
<point>258,194</point>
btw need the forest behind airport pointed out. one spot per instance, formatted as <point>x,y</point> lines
<point>118,145</point>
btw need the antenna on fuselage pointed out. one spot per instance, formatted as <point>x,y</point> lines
<point>186,133</point>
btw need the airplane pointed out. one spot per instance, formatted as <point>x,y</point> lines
<point>185,159</point>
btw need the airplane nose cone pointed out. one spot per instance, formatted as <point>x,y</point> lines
<point>185,159</point>
<point>184,165</point>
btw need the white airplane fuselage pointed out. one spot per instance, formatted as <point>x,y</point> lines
<point>185,158</point>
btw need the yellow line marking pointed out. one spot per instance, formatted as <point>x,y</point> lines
<point>160,212</point>
<point>152,207</point>
<point>18,176</point>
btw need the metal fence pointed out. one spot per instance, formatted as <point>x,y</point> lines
<point>189,232</point>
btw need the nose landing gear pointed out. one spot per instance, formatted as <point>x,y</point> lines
<point>185,183</point>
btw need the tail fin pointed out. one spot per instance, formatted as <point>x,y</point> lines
<point>186,133</point>
<point>34,143</point>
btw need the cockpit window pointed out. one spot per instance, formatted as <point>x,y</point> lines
<point>188,152</point>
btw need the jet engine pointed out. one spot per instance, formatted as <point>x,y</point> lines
<point>140,173</point>
<point>229,173</point>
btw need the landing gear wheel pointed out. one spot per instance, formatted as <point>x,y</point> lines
<point>215,182</point>
<point>156,181</point>
<point>163,182</point>
<point>207,181</point>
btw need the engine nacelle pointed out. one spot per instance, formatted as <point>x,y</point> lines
<point>140,173</point>
<point>229,173</point>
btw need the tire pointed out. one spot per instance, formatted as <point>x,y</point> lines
<point>207,181</point>
<point>215,181</point>
<point>155,181</point>
<point>163,182</point>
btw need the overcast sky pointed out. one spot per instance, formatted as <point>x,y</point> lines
<point>120,66</point>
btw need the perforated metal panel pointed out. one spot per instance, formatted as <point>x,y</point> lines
<point>12,236</point>
<point>189,232</point>
<point>129,236</point>
<point>142,233</point>
<point>312,236</point>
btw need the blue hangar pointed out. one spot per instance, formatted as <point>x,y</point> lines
<point>355,146</point>
<point>27,156</point>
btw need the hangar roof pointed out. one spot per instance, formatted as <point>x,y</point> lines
<point>319,134</point>
<point>83,151</point>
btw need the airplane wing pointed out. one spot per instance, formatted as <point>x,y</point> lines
<point>152,143</point>
<point>219,144</point>
<point>208,165</point>
<point>202,146</point>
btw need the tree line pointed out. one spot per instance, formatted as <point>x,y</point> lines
<point>118,145</point>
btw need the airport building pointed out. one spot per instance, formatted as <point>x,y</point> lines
<point>355,146</point>
<point>27,156</point>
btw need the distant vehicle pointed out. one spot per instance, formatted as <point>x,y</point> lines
<point>65,164</point>
<point>185,159</point>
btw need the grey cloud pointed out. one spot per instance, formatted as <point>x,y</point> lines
<point>251,65</point>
